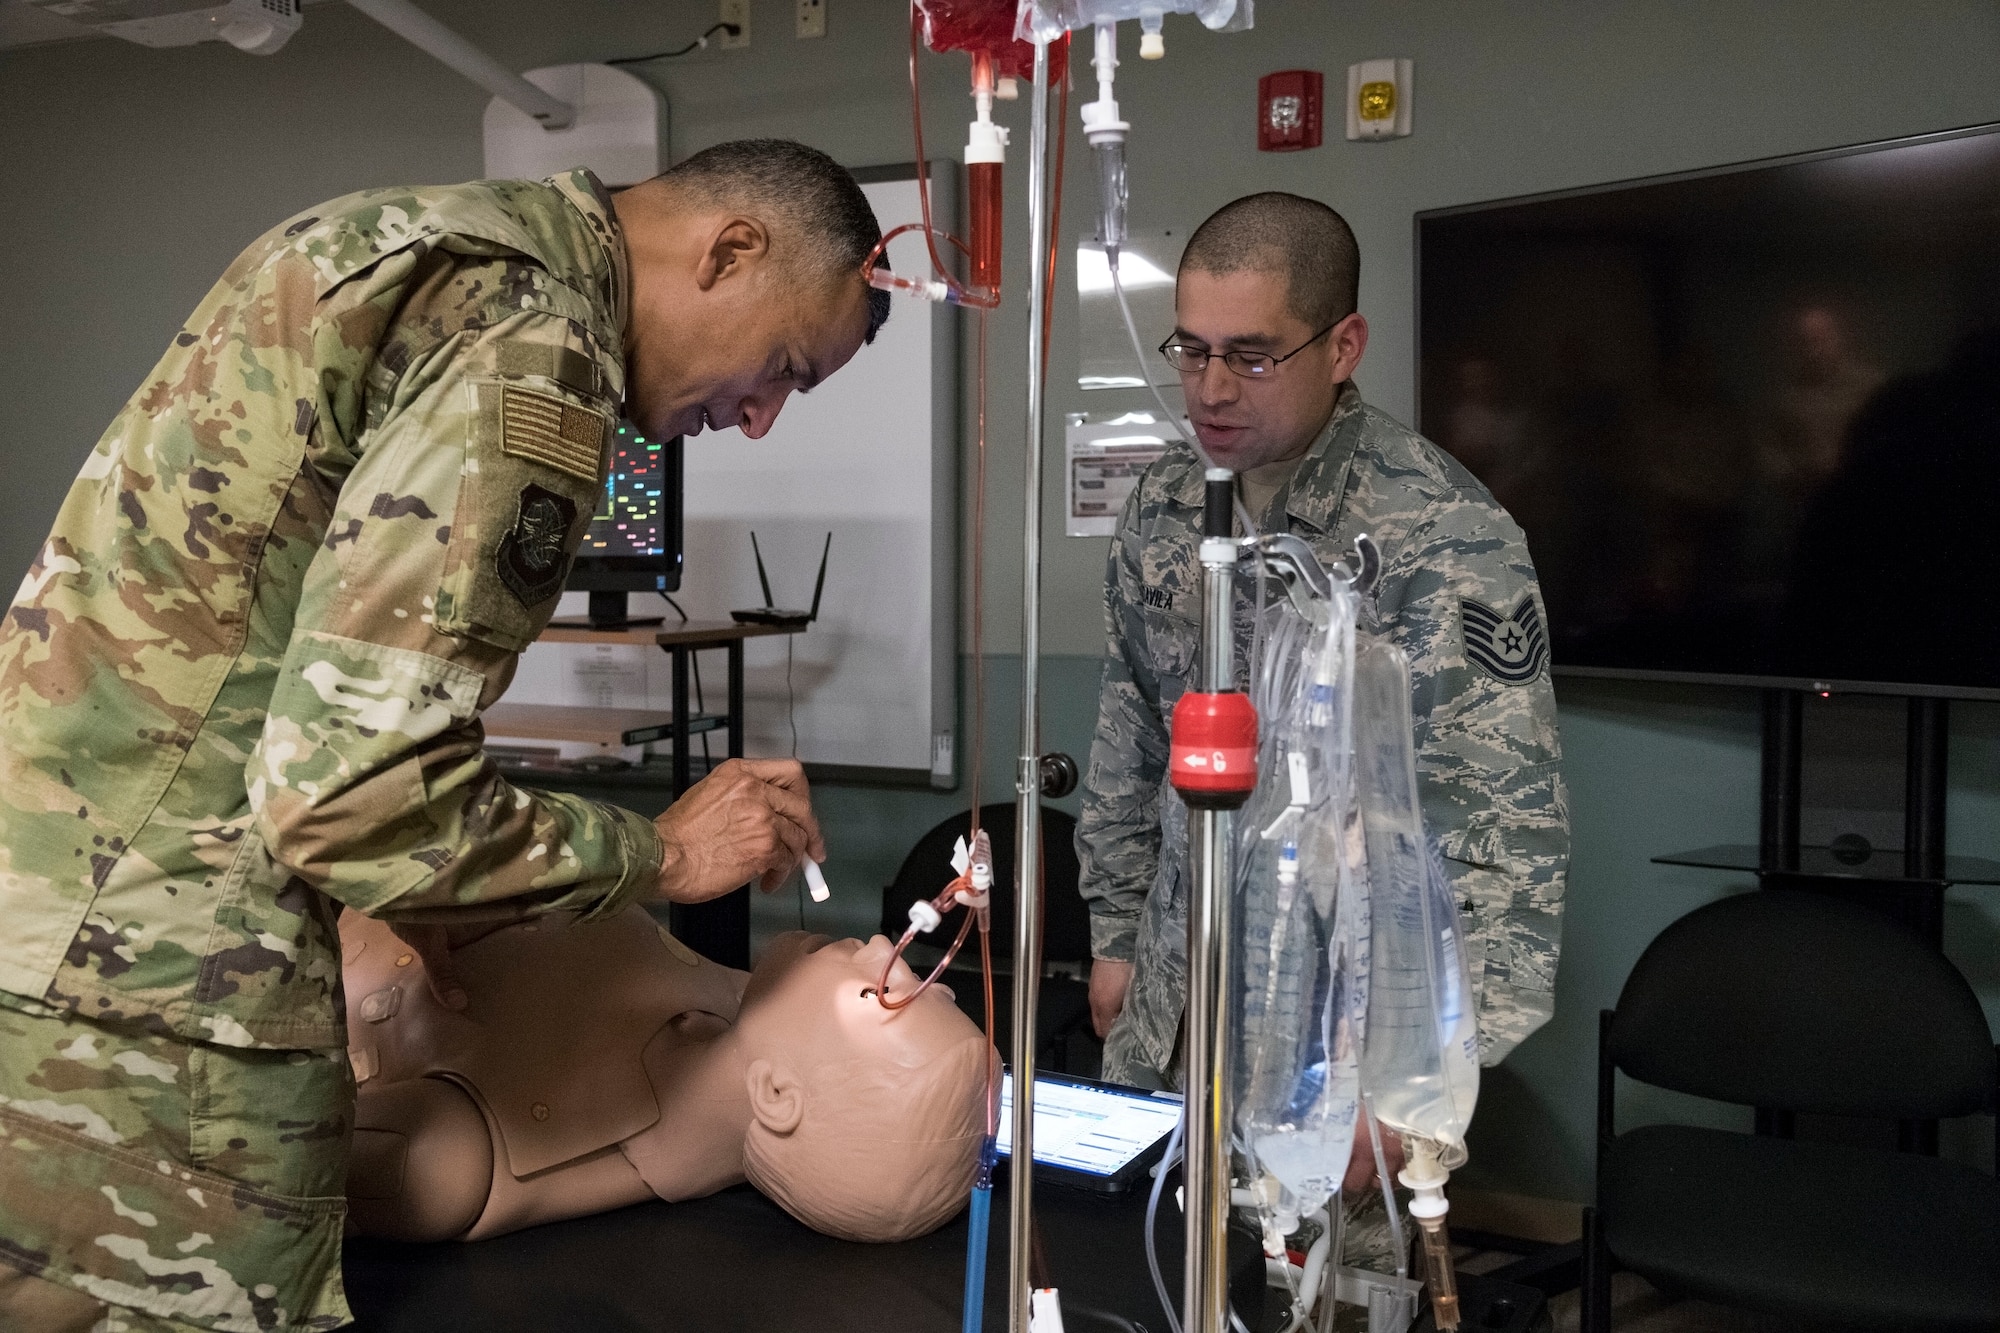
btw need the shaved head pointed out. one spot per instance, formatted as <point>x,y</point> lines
<point>1300,240</point>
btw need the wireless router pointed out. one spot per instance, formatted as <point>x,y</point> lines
<point>768,614</point>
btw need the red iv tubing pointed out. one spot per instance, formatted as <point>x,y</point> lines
<point>972,889</point>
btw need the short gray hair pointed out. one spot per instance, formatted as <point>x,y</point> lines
<point>1303,239</point>
<point>805,191</point>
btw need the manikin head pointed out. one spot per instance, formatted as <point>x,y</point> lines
<point>865,1122</point>
<point>746,284</point>
<point>1277,275</point>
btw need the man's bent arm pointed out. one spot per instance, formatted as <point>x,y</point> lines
<point>370,781</point>
<point>1488,755</point>
<point>1118,829</point>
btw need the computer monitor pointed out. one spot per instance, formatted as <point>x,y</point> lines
<point>634,543</point>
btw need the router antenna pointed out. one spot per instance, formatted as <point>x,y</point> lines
<point>820,585</point>
<point>761,576</point>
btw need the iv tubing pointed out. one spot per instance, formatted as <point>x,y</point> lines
<point>1329,1277</point>
<point>975,1257</point>
<point>1027,782</point>
<point>978,757</point>
<point>1172,423</point>
<point>1168,418</point>
<point>1167,1163</point>
<point>1388,1186</point>
<point>960,294</point>
<point>1055,207</point>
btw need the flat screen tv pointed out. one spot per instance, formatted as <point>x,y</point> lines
<point>1749,418</point>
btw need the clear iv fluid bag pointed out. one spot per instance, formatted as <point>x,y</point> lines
<point>1300,934</point>
<point>1046,20</point>
<point>1420,1061</point>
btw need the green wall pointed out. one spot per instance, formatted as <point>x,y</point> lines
<point>129,177</point>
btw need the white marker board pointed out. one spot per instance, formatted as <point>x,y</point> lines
<point>870,456</point>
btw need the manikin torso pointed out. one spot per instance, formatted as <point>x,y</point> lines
<point>594,1065</point>
<point>568,1037</point>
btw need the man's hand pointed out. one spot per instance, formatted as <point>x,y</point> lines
<point>1109,980</point>
<point>749,819</point>
<point>1360,1176</point>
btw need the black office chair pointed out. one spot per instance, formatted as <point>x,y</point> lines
<point>1794,1002</point>
<point>1063,1011</point>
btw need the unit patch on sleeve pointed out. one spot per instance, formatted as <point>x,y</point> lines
<point>1509,646</point>
<point>529,559</point>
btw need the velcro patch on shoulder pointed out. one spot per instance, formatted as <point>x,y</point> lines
<point>1510,646</point>
<point>550,431</point>
<point>566,365</point>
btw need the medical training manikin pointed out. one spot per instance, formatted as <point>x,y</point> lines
<point>600,1064</point>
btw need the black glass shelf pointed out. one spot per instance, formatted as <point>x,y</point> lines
<point>1828,863</point>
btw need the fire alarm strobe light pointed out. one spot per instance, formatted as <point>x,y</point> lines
<point>1378,99</point>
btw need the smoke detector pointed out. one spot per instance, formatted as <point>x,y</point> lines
<point>256,26</point>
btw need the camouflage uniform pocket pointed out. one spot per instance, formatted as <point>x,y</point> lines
<point>1479,843</point>
<point>1508,835</point>
<point>533,476</point>
<point>199,1184</point>
<point>338,780</point>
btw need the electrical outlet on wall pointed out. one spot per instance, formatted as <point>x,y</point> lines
<point>737,12</point>
<point>812,18</point>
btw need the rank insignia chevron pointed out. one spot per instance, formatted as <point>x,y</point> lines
<point>1510,646</point>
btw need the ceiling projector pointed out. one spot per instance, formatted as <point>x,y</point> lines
<point>257,26</point>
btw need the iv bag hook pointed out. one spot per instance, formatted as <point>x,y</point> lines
<point>1307,582</point>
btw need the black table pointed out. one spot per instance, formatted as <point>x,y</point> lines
<point>735,1261</point>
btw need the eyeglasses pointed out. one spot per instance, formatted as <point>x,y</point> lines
<point>1250,365</point>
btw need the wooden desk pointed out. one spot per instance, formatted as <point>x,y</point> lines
<point>608,727</point>
<point>719,929</point>
<point>696,633</point>
<point>682,641</point>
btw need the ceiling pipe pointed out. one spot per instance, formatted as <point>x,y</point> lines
<point>428,35</point>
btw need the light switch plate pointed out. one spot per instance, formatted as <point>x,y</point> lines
<point>812,18</point>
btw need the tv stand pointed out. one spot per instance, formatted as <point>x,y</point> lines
<point>1906,883</point>
<point>608,610</point>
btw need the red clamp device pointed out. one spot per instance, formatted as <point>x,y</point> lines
<point>1212,757</point>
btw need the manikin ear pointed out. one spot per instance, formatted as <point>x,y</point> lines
<point>737,245</point>
<point>775,1099</point>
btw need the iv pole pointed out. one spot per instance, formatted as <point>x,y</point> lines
<point>1028,775</point>
<point>1211,838</point>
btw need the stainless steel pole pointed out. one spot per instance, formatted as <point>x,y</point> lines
<point>1205,1284</point>
<point>1028,776</point>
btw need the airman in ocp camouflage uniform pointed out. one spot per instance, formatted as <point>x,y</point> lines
<point>1275,401</point>
<point>240,688</point>
<point>1456,584</point>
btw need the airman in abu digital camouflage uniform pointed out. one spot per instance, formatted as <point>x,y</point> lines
<point>1267,341</point>
<point>240,689</point>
